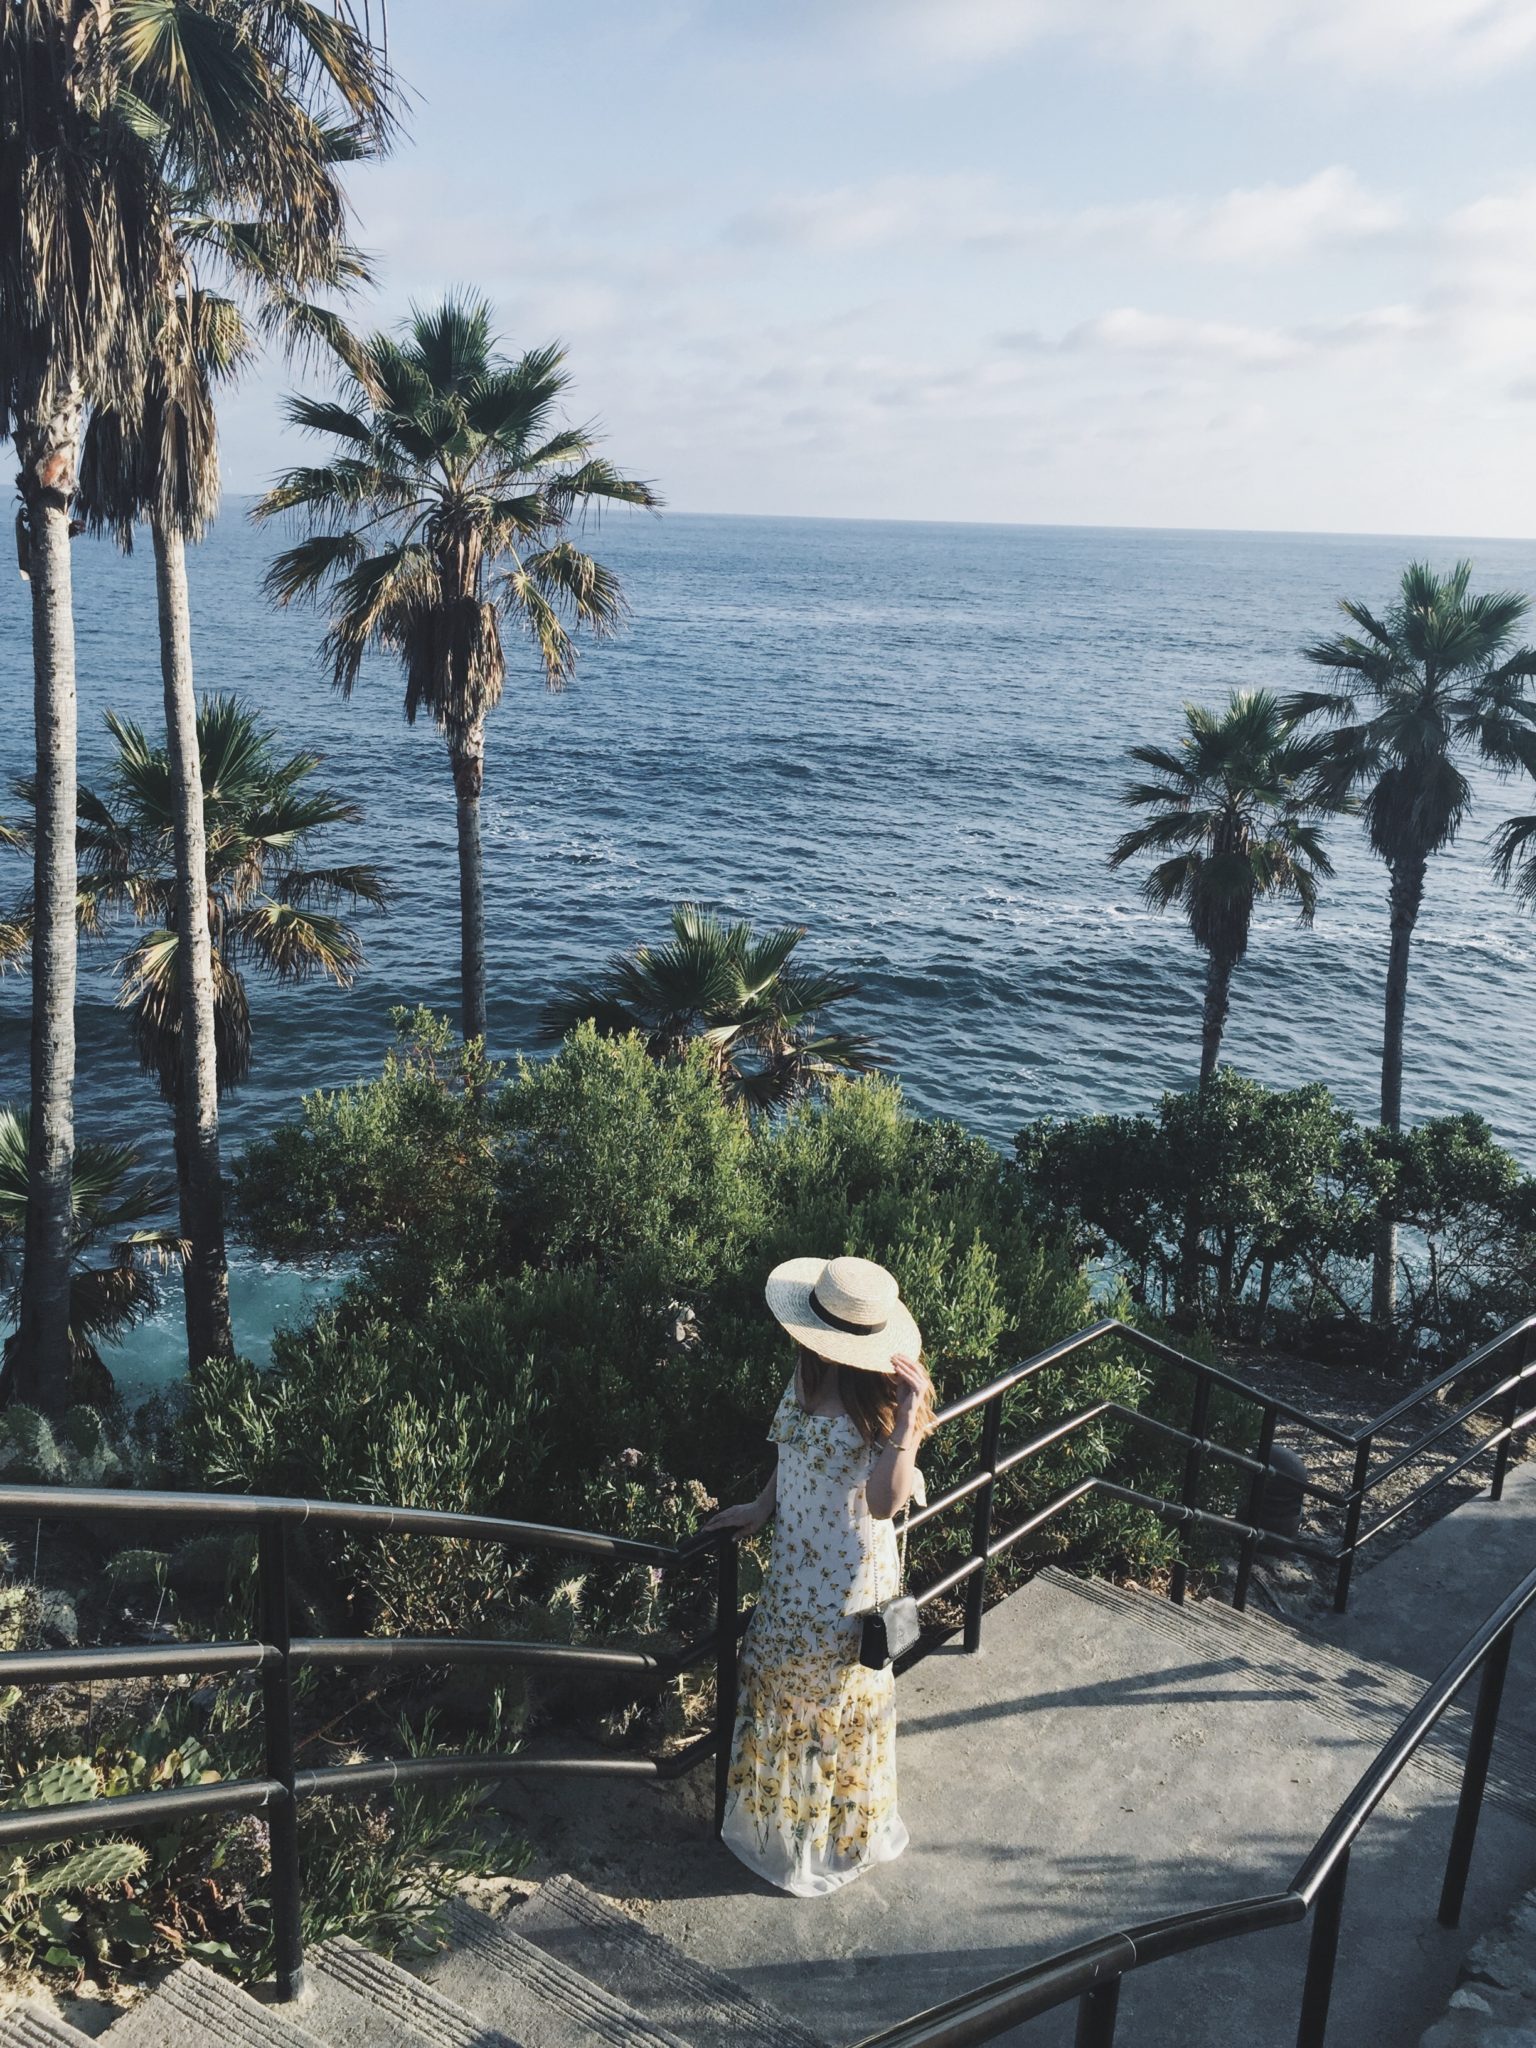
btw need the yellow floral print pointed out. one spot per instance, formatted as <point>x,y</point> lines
<point>812,1787</point>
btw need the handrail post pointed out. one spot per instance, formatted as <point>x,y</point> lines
<point>1474,1777</point>
<point>727,1651</point>
<point>1510,1410</point>
<point>277,1730</point>
<point>1097,2011</point>
<point>1194,1459</point>
<point>1352,1516</point>
<point>1322,1954</point>
<point>1245,1561</point>
<point>981,1524</point>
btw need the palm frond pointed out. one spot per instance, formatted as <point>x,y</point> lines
<point>327,887</point>
<point>1512,857</point>
<point>598,478</point>
<point>329,416</point>
<point>524,598</point>
<point>294,943</point>
<point>302,571</point>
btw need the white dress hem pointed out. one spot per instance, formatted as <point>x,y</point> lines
<point>809,1876</point>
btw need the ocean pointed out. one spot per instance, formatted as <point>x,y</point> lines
<point>909,738</point>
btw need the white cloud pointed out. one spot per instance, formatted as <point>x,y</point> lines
<point>1251,225</point>
<point>1371,37</point>
<point>1128,330</point>
<point>1266,222</point>
<point>876,213</point>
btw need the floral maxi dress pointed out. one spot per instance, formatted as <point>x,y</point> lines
<point>811,1796</point>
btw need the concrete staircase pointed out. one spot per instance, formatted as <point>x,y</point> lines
<point>1108,1758</point>
<point>564,1970</point>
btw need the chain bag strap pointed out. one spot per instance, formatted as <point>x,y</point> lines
<point>890,1630</point>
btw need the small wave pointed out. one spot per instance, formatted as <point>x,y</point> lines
<point>587,853</point>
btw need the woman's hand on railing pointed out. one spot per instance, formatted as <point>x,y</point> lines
<point>749,1518</point>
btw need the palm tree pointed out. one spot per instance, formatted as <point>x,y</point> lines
<point>83,244</point>
<point>735,992</point>
<point>108,109</point>
<point>164,468</point>
<point>1232,820</point>
<point>1435,685</point>
<point>446,510</point>
<point>266,910</point>
<point>109,1204</point>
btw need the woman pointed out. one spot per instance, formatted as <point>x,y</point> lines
<point>812,1791</point>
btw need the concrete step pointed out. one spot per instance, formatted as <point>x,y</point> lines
<point>193,2008</point>
<point>30,2027</point>
<point>1101,1762</point>
<point>361,2000</point>
<point>509,1982</point>
<point>1416,1606</point>
<point>588,1934</point>
<point>1352,1691</point>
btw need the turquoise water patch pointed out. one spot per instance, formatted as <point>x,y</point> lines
<point>263,1298</point>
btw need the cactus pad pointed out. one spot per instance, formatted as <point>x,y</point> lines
<point>64,1783</point>
<point>101,1863</point>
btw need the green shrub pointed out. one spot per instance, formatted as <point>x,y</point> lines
<point>605,1299</point>
<point>400,1170</point>
<point>81,1447</point>
<point>105,1905</point>
<point>1281,1189</point>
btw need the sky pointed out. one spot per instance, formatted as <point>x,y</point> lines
<point>1264,264</point>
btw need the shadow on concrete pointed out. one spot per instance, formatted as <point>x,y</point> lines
<point>1139,1689</point>
<point>1043,1814</point>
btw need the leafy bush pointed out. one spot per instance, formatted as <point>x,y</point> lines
<point>1253,1210</point>
<point>402,1169</point>
<point>77,1448</point>
<point>605,1297</point>
<point>108,1904</point>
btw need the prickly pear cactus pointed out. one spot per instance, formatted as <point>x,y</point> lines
<point>102,1863</point>
<point>63,1783</point>
<point>28,1449</point>
<point>74,1448</point>
<point>106,1905</point>
<point>21,1614</point>
<point>137,1571</point>
<point>84,1447</point>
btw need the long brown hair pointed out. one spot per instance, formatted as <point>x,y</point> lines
<point>869,1399</point>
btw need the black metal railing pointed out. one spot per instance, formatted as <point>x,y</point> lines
<point>1508,1396</point>
<point>1091,1973</point>
<point>275,1656</point>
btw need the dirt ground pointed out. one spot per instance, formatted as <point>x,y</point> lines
<point>1346,1397</point>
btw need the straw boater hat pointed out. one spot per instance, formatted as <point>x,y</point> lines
<point>846,1310</point>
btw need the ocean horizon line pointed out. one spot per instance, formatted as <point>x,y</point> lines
<point>1086,526</point>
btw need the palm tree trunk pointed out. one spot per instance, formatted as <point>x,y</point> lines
<point>468,759</point>
<point>209,1333</point>
<point>1213,1022</point>
<point>49,450</point>
<point>1405,899</point>
<point>1213,1016</point>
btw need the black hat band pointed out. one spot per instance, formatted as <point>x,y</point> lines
<point>833,1322</point>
